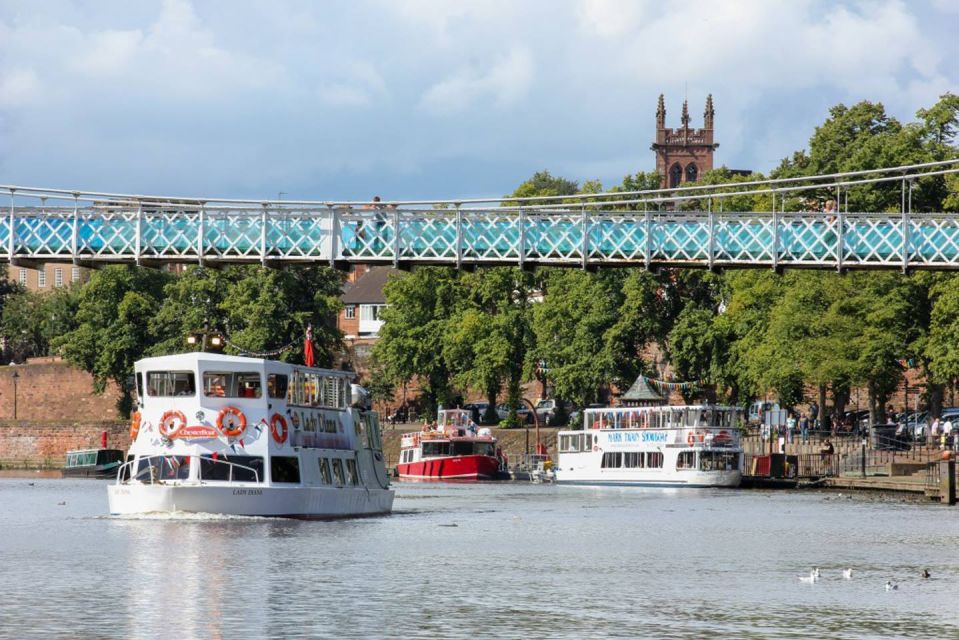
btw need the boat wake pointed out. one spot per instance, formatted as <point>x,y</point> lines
<point>181,515</point>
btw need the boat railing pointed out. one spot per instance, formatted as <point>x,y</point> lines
<point>149,472</point>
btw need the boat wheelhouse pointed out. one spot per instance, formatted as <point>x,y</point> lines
<point>455,450</point>
<point>93,463</point>
<point>671,446</point>
<point>248,436</point>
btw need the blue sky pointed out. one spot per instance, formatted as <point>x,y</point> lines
<point>417,99</point>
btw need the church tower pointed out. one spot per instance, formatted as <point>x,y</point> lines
<point>683,154</point>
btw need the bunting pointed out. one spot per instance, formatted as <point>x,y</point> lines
<point>663,385</point>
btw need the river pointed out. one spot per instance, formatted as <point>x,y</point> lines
<point>483,561</point>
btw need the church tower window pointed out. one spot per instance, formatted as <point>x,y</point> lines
<point>675,176</point>
<point>691,172</point>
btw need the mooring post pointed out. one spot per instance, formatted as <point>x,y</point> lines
<point>947,481</point>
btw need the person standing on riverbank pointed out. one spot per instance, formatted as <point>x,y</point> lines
<point>790,427</point>
<point>804,428</point>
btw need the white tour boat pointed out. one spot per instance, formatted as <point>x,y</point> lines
<point>246,436</point>
<point>679,446</point>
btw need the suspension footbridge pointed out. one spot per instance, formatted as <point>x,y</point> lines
<point>639,228</point>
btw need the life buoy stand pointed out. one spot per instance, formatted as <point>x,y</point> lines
<point>230,422</point>
<point>134,425</point>
<point>171,422</point>
<point>279,429</point>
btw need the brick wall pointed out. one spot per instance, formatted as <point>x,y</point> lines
<point>44,445</point>
<point>49,389</point>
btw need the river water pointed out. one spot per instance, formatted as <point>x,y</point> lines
<point>483,560</point>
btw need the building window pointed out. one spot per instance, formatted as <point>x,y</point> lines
<point>675,176</point>
<point>41,279</point>
<point>23,277</point>
<point>370,312</point>
<point>691,173</point>
<point>75,274</point>
<point>58,277</point>
<point>349,312</point>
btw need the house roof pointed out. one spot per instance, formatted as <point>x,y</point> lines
<point>369,288</point>
<point>642,391</point>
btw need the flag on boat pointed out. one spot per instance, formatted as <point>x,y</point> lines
<point>308,346</point>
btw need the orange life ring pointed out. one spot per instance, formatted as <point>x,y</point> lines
<point>690,438</point>
<point>134,425</point>
<point>279,429</point>
<point>235,426</point>
<point>171,423</point>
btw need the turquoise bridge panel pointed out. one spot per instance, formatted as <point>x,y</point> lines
<point>491,236</point>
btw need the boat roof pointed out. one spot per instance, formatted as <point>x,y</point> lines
<point>192,359</point>
<point>666,408</point>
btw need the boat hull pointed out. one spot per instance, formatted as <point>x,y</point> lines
<point>718,479</point>
<point>250,500</point>
<point>451,468</point>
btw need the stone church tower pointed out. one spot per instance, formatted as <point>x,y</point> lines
<point>683,154</point>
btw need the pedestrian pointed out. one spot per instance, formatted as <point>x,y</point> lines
<point>804,428</point>
<point>825,455</point>
<point>814,414</point>
<point>933,432</point>
<point>790,427</point>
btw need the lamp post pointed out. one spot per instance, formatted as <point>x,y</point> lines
<point>15,376</point>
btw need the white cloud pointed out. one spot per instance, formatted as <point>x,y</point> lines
<point>611,18</point>
<point>18,88</point>
<point>503,84</point>
<point>109,52</point>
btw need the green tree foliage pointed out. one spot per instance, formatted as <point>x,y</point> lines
<point>114,312</point>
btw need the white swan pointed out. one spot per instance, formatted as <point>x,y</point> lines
<point>847,574</point>
<point>812,578</point>
<point>815,572</point>
<point>890,586</point>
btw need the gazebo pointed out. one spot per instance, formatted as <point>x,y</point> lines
<point>642,394</point>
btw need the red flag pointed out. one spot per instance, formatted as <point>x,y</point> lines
<point>308,346</point>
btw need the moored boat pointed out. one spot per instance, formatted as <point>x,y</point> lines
<point>93,463</point>
<point>454,450</point>
<point>672,446</point>
<point>248,436</point>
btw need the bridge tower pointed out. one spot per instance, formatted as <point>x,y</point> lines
<point>683,154</point>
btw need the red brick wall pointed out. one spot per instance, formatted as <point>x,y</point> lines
<point>35,445</point>
<point>51,390</point>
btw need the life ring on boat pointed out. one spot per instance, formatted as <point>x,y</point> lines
<point>134,425</point>
<point>171,423</point>
<point>279,429</point>
<point>230,422</point>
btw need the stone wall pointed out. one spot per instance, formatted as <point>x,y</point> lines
<point>49,389</point>
<point>25,445</point>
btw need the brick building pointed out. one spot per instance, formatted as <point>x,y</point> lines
<point>359,320</point>
<point>48,276</point>
<point>683,154</point>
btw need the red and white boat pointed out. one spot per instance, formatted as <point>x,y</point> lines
<point>455,449</point>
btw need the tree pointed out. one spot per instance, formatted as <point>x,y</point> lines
<point>114,312</point>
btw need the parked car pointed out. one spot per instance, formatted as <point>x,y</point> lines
<point>759,409</point>
<point>546,410</point>
<point>522,411</point>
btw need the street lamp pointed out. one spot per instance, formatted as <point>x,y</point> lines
<point>15,376</point>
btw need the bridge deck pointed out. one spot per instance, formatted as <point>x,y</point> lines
<point>491,236</point>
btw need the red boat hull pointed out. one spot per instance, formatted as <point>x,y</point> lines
<point>451,468</point>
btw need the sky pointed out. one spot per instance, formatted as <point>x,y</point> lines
<point>434,99</point>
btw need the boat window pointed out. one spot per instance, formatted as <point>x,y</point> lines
<point>462,448</point>
<point>325,475</point>
<point>243,468</point>
<point>654,460</point>
<point>231,384</point>
<point>338,472</point>
<point>285,469</point>
<point>351,476</point>
<point>436,449</point>
<point>313,389</point>
<point>139,379</point>
<point>175,468</point>
<point>686,460</point>
<point>148,469</point>
<point>634,460</point>
<point>612,460</point>
<point>718,461</point>
<point>125,469</point>
<point>165,384</point>
<point>276,385</point>
<point>484,449</point>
